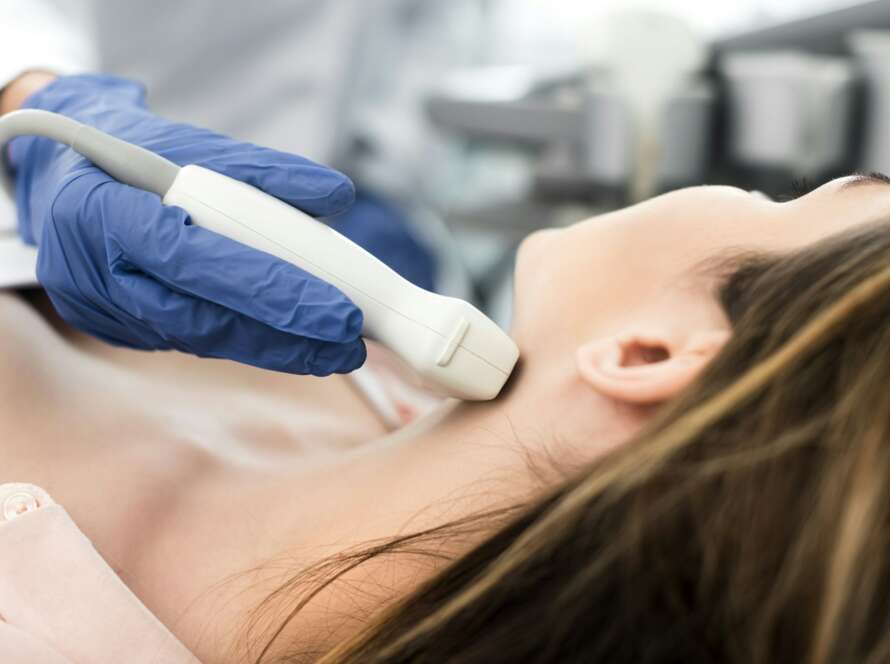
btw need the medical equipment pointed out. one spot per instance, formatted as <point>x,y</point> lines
<point>577,132</point>
<point>872,48</point>
<point>789,112</point>
<point>454,348</point>
<point>649,56</point>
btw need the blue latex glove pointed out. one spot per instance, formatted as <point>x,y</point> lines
<point>121,266</point>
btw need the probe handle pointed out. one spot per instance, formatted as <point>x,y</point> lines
<point>454,348</point>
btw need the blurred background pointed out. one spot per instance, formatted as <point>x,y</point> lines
<point>580,106</point>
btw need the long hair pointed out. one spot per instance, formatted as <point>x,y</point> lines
<point>749,522</point>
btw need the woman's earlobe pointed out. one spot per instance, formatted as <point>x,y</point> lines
<point>645,368</point>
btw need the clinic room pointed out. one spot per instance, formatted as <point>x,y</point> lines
<point>444,332</point>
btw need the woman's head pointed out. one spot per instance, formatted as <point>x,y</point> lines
<point>749,521</point>
<point>614,315</point>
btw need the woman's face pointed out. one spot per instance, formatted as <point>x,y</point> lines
<point>587,279</point>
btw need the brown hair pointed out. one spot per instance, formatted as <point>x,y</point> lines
<point>747,523</point>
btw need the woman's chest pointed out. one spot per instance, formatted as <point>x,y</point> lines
<point>120,441</point>
<point>173,502</point>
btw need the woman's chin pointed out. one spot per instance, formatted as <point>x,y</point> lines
<point>533,241</point>
<point>531,252</point>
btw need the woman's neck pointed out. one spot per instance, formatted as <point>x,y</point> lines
<point>421,485</point>
<point>535,433</point>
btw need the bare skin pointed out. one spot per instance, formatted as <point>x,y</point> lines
<point>205,485</point>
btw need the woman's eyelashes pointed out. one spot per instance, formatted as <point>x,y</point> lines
<point>803,186</point>
<point>875,175</point>
<point>799,187</point>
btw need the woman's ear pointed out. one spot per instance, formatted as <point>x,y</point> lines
<point>646,368</point>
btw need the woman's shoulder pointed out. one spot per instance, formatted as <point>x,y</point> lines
<point>58,596</point>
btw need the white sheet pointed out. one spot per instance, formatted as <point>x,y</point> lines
<point>17,260</point>
<point>7,210</point>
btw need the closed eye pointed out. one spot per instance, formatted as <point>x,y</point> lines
<point>802,186</point>
<point>869,178</point>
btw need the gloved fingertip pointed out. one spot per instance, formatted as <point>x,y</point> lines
<point>341,198</point>
<point>339,358</point>
<point>357,358</point>
<point>354,323</point>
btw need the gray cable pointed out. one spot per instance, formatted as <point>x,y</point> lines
<point>123,161</point>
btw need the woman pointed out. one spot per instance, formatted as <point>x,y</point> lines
<point>737,526</point>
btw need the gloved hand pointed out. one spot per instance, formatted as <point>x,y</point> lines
<point>121,266</point>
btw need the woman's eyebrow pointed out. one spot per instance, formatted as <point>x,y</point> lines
<point>866,178</point>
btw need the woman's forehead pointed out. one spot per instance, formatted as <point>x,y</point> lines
<point>715,217</point>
